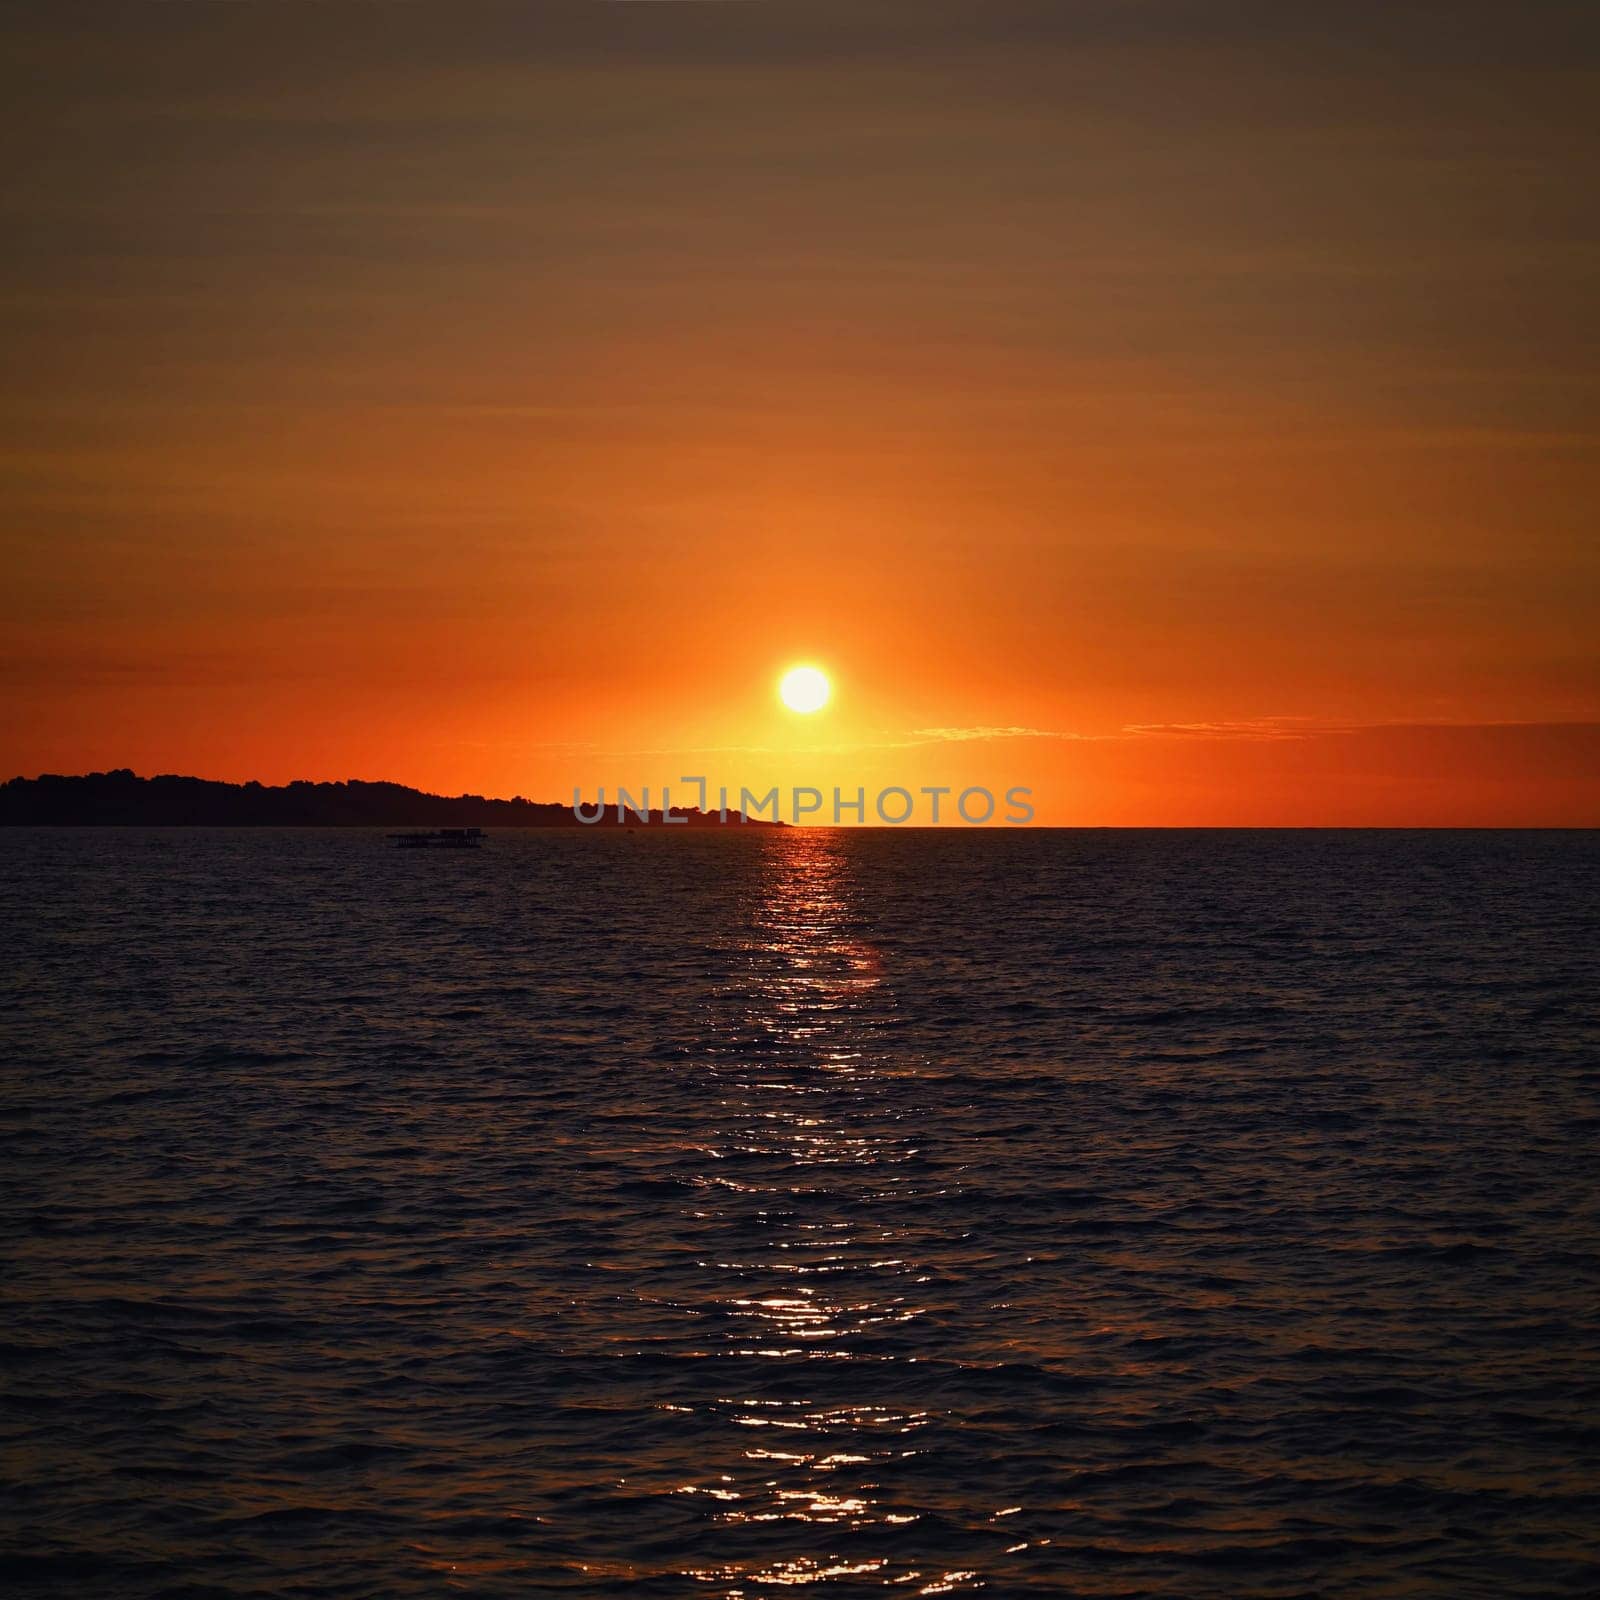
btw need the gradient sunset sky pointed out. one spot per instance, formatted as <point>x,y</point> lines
<point>1186,409</point>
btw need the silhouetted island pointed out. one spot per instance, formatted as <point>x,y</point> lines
<point>121,798</point>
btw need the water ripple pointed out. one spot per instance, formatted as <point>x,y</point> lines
<point>1102,1214</point>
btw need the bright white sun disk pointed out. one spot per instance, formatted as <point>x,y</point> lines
<point>804,689</point>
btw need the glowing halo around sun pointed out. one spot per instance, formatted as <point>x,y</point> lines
<point>804,689</point>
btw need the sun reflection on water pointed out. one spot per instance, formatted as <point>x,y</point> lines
<point>824,1286</point>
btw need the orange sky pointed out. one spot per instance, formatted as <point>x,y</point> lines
<point>495,398</point>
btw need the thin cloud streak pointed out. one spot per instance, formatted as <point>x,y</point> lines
<point>986,731</point>
<point>1270,729</point>
<point>1246,728</point>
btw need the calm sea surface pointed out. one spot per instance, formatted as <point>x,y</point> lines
<point>1096,1214</point>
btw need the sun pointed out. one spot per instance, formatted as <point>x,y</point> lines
<point>804,689</point>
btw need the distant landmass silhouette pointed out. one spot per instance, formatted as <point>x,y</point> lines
<point>121,798</point>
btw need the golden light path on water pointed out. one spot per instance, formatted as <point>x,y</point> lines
<point>830,1289</point>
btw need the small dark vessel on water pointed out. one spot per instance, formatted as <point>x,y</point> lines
<point>441,839</point>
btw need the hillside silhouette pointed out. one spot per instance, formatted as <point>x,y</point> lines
<point>121,798</point>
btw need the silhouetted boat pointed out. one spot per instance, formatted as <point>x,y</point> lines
<point>441,839</point>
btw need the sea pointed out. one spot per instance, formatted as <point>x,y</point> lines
<point>667,1213</point>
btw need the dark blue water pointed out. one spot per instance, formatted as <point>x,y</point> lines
<point>1100,1214</point>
